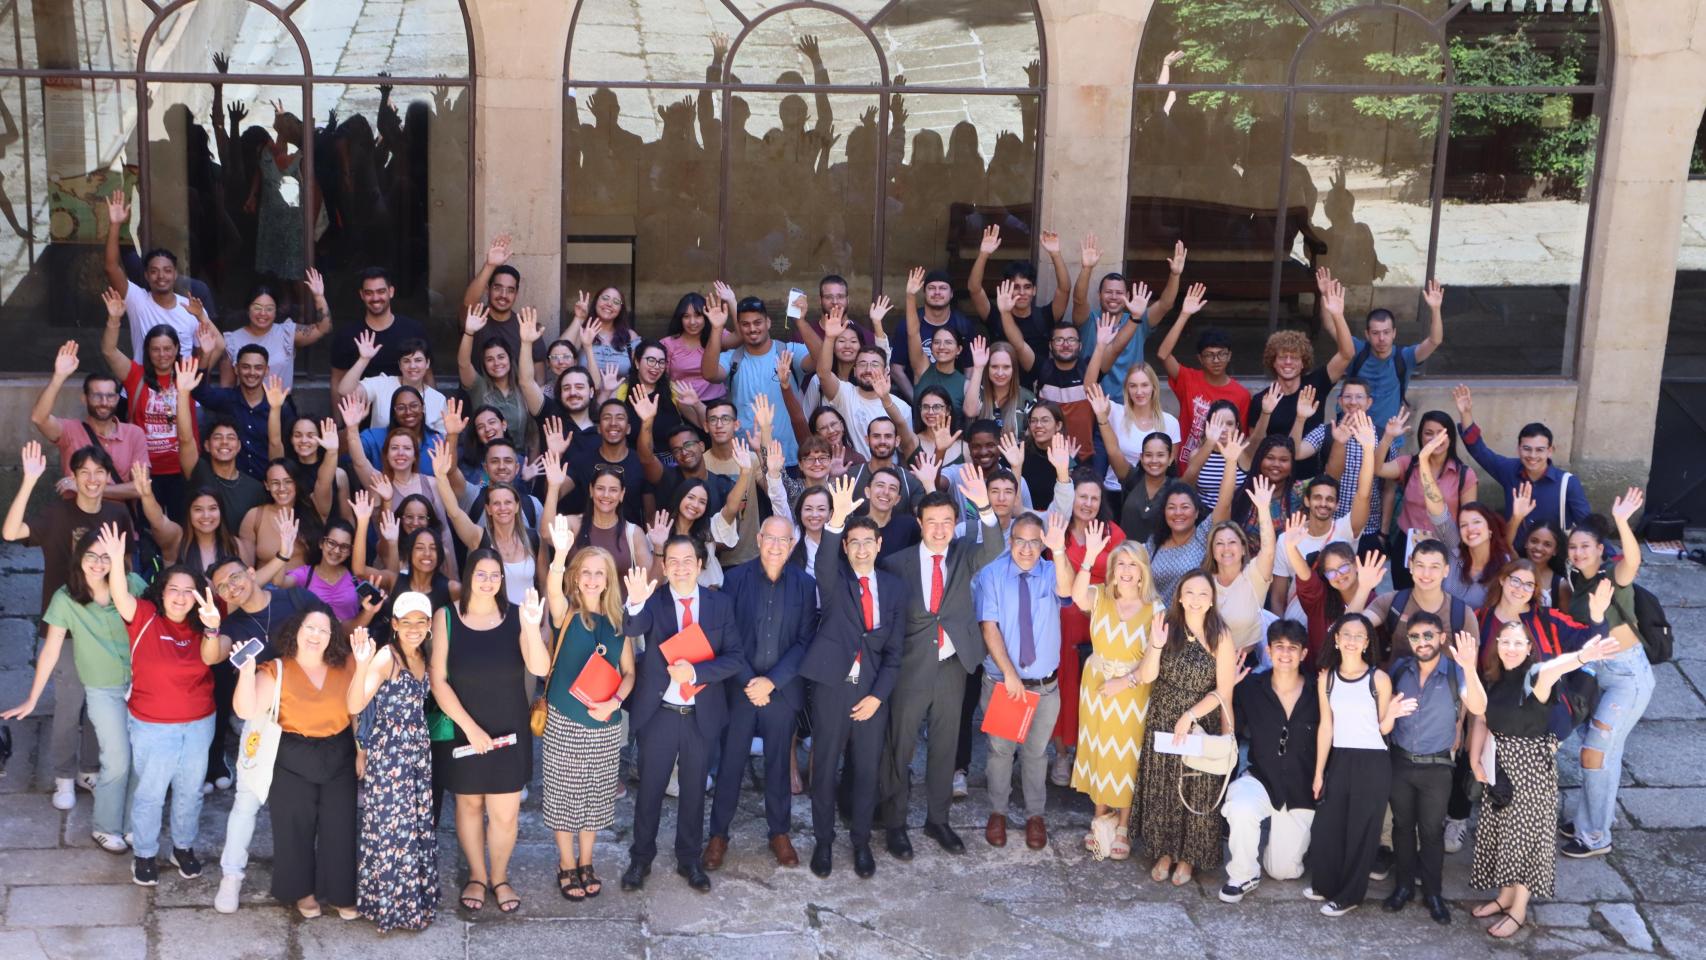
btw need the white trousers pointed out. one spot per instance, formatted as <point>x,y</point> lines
<point>1246,806</point>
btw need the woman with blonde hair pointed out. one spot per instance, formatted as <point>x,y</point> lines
<point>1112,699</point>
<point>1240,578</point>
<point>1138,417</point>
<point>583,741</point>
<point>993,391</point>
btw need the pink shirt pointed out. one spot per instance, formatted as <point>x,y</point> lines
<point>685,357</point>
<point>127,445</point>
<point>1413,515</point>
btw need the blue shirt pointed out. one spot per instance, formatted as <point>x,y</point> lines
<point>1433,727</point>
<point>1546,490</point>
<point>251,424</point>
<point>756,375</point>
<point>373,444</point>
<point>1382,377</point>
<point>996,588</point>
<point>1113,382</point>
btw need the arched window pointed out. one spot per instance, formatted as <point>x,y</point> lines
<point>255,139</point>
<point>771,144</point>
<point>1389,142</point>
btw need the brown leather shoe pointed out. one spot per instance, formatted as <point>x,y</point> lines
<point>1036,833</point>
<point>996,830</point>
<point>714,852</point>
<point>783,848</point>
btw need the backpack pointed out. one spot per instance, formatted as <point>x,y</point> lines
<point>1650,622</point>
<point>1366,352</point>
<point>1579,689</point>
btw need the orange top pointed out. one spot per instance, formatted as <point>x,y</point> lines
<point>307,711</point>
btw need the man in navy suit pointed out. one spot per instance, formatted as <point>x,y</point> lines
<point>675,718</point>
<point>775,605</point>
<point>853,664</point>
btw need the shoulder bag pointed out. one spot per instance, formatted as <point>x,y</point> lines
<point>537,712</point>
<point>1218,758</point>
<point>259,746</point>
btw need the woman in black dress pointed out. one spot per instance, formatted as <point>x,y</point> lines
<point>482,650</point>
<point>1515,846</point>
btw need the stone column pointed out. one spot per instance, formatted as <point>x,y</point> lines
<point>1657,97</point>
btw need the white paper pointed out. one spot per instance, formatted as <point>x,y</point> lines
<point>1489,759</point>
<point>1192,747</point>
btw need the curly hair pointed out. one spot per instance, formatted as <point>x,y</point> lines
<point>1288,341</point>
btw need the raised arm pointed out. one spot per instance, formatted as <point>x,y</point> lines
<point>1004,299</point>
<point>561,545</point>
<point>473,323</point>
<point>353,407</point>
<point>1363,428</point>
<point>443,462</point>
<point>1261,498</point>
<point>1333,313</point>
<point>326,478</point>
<point>1232,447</point>
<point>1062,278</point>
<point>990,243</point>
<point>41,414</point>
<point>834,322</point>
<point>1102,407</point>
<point>34,465</point>
<point>187,379</point>
<point>366,348</point>
<point>531,331</point>
<point>117,361</point>
<point>118,211</point>
<point>496,256</point>
<point>308,334</point>
<point>1194,302</point>
<point>1434,296</point>
<point>911,329</point>
<point>1622,509</point>
<point>710,361</point>
<point>1138,304</point>
<point>1169,292</point>
<point>746,459</point>
<point>1089,254</point>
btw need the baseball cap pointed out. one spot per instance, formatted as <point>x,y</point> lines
<point>412,601</point>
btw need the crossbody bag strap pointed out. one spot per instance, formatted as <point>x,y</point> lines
<point>1564,501</point>
<point>562,632</point>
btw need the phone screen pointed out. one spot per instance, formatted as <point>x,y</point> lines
<point>250,649</point>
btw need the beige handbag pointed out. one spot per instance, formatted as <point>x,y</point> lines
<point>1219,758</point>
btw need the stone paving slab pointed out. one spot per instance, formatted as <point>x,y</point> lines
<point>85,943</point>
<point>206,935</point>
<point>1665,808</point>
<point>84,905</point>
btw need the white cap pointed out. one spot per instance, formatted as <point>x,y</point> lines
<point>412,601</point>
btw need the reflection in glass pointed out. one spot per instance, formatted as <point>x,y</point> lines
<point>1501,47</point>
<point>425,38</point>
<point>253,40</point>
<point>1206,169</point>
<point>72,34</point>
<point>1512,230</point>
<point>642,169</point>
<point>802,195</point>
<point>862,10</point>
<point>958,164</point>
<point>1219,41</point>
<point>1374,47</point>
<point>942,43</point>
<point>807,45</point>
<point>606,44</point>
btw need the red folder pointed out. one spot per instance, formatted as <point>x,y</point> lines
<point>597,682</point>
<point>1007,718</point>
<point>690,645</point>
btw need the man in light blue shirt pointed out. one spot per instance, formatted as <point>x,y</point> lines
<point>1386,367</point>
<point>1019,598</point>
<point>751,368</point>
<point>1114,299</point>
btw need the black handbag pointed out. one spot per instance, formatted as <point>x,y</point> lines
<point>1501,791</point>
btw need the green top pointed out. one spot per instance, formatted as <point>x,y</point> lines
<point>100,646</point>
<point>579,644</point>
<point>954,383</point>
<point>1622,609</point>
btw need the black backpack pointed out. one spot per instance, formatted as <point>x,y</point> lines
<point>1651,624</point>
<point>1362,357</point>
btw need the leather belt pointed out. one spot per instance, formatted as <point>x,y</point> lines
<point>1442,758</point>
<point>686,711</point>
<point>1037,684</point>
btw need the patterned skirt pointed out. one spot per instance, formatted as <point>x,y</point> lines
<point>581,766</point>
<point>1517,843</point>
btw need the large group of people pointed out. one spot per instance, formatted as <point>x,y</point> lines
<point>649,557</point>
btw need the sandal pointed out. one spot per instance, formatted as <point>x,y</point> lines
<point>1500,923</point>
<point>473,904</point>
<point>590,882</point>
<point>307,912</point>
<point>572,890</point>
<point>1487,910</point>
<point>1181,874</point>
<point>506,906</point>
<point>1163,866</point>
<point>1121,849</point>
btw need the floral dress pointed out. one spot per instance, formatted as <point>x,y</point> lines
<point>397,876</point>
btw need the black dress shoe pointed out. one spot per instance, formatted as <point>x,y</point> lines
<point>634,877</point>
<point>864,864</point>
<point>900,845</point>
<point>1400,898</point>
<point>695,875</point>
<point>1437,909</point>
<point>823,858</point>
<point>945,836</point>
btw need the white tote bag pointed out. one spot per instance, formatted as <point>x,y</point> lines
<point>258,749</point>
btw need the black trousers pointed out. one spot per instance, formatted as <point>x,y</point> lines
<point>1465,789</point>
<point>224,685</point>
<point>834,730</point>
<point>1346,832</point>
<point>1419,795</point>
<point>670,741</point>
<point>774,722</point>
<point>314,822</point>
<point>968,711</point>
<point>937,694</point>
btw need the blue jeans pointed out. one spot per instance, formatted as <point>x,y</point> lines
<point>239,830</point>
<point>1625,684</point>
<point>109,717</point>
<point>166,755</point>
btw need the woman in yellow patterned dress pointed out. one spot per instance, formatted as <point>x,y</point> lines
<point>1111,701</point>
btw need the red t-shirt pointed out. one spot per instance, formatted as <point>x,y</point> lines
<point>154,408</point>
<point>1196,395</point>
<point>169,683</point>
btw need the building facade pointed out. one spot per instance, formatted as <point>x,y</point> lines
<point>1533,155</point>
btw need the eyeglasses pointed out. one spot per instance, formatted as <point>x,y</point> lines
<point>102,396</point>
<point>488,576</point>
<point>816,458</point>
<point>721,418</point>
<point>1534,451</point>
<point>685,446</point>
<point>1028,544</point>
<point>1338,571</point>
<point>1214,355</point>
<point>1515,582</point>
<point>610,298</point>
<point>775,541</point>
<point>863,543</point>
<point>280,484</point>
<point>328,543</point>
<point>1427,636</point>
<point>654,361</point>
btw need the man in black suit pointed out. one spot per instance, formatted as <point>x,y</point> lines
<point>942,646</point>
<point>853,664</point>
<point>775,605</point>
<point>678,709</point>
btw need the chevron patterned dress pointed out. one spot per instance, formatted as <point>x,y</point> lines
<point>1110,729</point>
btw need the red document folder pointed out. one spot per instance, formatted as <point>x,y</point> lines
<point>1010,719</point>
<point>597,682</point>
<point>690,645</point>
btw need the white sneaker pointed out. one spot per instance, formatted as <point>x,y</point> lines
<point>86,782</point>
<point>64,793</point>
<point>206,789</point>
<point>1060,772</point>
<point>1310,894</point>
<point>1456,831</point>
<point>222,783</point>
<point>960,791</point>
<point>230,893</point>
<point>110,842</point>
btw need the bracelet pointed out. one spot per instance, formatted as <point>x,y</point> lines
<point>283,556</point>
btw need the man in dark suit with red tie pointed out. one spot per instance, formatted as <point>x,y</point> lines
<point>678,709</point>
<point>853,664</point>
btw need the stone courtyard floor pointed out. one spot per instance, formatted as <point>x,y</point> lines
<point>62,898</point>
